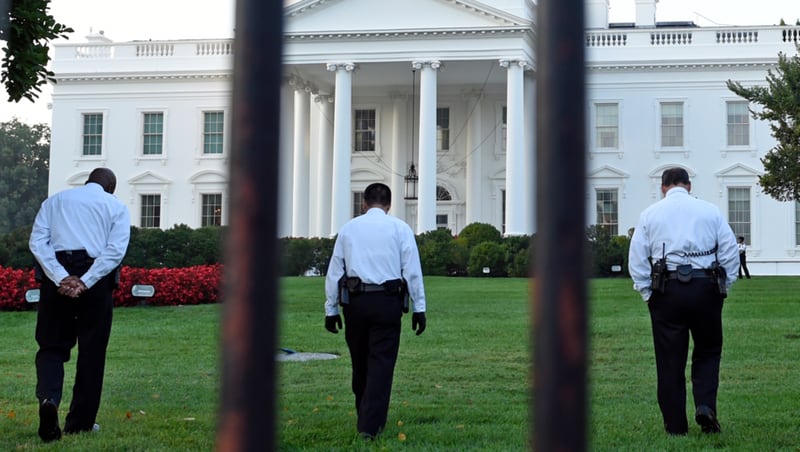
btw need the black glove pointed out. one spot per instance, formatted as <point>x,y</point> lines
<point>332,321</point>
<point>418,322</point>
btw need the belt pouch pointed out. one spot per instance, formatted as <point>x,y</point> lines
<point>684,273</point>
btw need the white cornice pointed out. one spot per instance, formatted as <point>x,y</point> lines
<point>404,34</point>
<point>600,67</point>
<point>139,77</point>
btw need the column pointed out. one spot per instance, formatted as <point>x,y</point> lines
<point>426,204</point>
<point>285,162</point>
<point>474,156</point>
<point>300,167</point>
<point>342,144</point>
<point>400,155</point>
<point>515,149</point>
<point>325,154</point>
<point>530,152</point>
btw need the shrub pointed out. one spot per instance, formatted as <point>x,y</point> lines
<point>438,252</point>
<point>518,255</point>
<point>605,251</point>
<point>476,233</point>
<point>487,254</point>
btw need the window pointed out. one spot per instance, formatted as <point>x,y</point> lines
<point>503,212</point>
<point>607,126</point>
<point>608,210</point>
<point>504,130</point>
<point>364,140</point>
<point>212,210</point>
<point>151,211</point>
<point>153,134</point>
<point>442,194</point>
<point>92,134</point>
<point>671,124</point>
<point>797,223</point>
<point>442,129</point>
<point>358,201</point>
<point>213,128</point>
<point>739,212</point>
<point>441,221</point>
<point>738,124</point>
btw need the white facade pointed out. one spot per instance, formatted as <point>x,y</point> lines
<point>445,85</point>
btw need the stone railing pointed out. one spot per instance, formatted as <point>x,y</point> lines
<point>145,49</point>
<point>694,36</point>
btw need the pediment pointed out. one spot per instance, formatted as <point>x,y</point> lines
<point>148,178</point>
<point>78,178</point>
<point>738,170</point>
<point>608,172</point>
<point>316,16</point>
<point>364,175</point>
<point>656,173</point>
<point>208,177</point>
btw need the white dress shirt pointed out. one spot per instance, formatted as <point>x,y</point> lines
<point>375,247</point>
<point>686,227</point>
<point>81,218</point>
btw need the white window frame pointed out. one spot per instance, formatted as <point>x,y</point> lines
<point>748,237</point>
<point>596,145</point>
<point>684,147</point>
<point>209,182</point>
<point>439,147</point>
<point>727,147</point>
<point>597,190</point>
<point>201,136</point>
<point>104,113</point>
<point>500,130</point>
<point>377,150</point>
<point>221,206</point>
<point>139,206</point>
<point>140,132</point>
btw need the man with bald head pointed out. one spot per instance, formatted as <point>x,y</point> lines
<point>79,238</point>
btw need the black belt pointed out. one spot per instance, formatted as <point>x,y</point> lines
<point>371,287</point>
<point>696,273</point>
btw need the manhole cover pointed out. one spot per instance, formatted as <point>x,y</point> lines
<point>302,356</point>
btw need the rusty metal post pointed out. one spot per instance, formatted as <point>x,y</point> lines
<point>249,330</point>
<point>560,295</point>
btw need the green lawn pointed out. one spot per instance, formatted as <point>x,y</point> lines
<point>463,385</point>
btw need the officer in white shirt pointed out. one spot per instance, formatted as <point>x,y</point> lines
<point>79,238</point>
<point>375,254</point>
<point>683,258</point>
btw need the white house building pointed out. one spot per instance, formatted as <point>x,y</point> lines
<point>443,90</point>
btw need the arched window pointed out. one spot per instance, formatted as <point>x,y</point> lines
<point>442,194</point>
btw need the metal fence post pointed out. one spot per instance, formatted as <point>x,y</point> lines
<point>250,327</point>
<point>560,297</point>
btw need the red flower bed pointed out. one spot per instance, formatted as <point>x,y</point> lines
<point>173,286</point>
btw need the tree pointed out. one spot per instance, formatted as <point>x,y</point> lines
<point>27,28</point>
<point>24,163</point>
<point>780,102</point>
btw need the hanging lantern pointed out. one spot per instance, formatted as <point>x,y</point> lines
<point>411,183</point>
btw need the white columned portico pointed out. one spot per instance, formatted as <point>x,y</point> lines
<point>399,155</point>
<point>426,204</point>
<point>342,144</point>
<point>516,171</point>
<point>474,167</point>
<point>324,156</point>
<point>301,161</point>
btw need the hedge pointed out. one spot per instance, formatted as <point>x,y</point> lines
<point>198,284</point>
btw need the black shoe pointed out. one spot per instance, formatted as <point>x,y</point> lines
<point>707,419</point>
<point>48,421</point>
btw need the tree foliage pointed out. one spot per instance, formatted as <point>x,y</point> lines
<point>780,106</point>
<point>27,29</point>
<point>24,163</point>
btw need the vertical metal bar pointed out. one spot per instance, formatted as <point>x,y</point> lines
<point>560,297</point>
<point>249,331</point>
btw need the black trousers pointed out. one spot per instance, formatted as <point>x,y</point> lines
<point>686,308</point>
<point>743,265</point>
<point>61,323</point>
<point>372,330</point>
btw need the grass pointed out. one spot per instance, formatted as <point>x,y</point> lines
<point>463,385</point>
